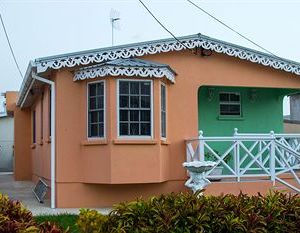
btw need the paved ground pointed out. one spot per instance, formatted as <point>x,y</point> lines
<point>22,190</point>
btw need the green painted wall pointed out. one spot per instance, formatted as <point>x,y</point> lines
<point>260,115</point>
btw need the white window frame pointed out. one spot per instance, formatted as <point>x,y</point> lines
<point>118,110</point>
<point>230,103</point>
<point>104,110</point>
<point>163,84</point>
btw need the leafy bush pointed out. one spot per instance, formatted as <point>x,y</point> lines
<point>64,221</point>
<point>276,212</point>
<point>91,221</point>
<point>15,218</point>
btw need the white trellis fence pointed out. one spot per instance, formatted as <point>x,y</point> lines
<point>246,156</point>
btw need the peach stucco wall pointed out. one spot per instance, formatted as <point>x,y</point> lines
<point>22,150</point>
<point>106,171</point>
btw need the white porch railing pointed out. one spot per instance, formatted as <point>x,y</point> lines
<point>244,156</point>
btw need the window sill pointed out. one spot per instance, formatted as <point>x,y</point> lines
<point>230,118</point>
<point>94,142</point>
<point>48,140</point>
<point>135,142</point>
<point>33,146</point>
<point>164,142</point>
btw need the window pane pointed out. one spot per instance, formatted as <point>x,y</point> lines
<point>123,129</point>
<point>92,103</point>
<point>145,101</point>
<point>100,102</point>
<point>92,90</point>
<point>101,116</point>
<point>134,129</point>
<point>94,130</point>
<point>224,97</point>
<point>124,101</point>
<point>134,115</point>
<point>235,109</point>
<point>134,87</point>
<point>145,129</point>
<point>145,88</point>
<point>93,117</point>
<point>234,97</point>
<point>134,101</point>
<point>101,130</point>
<point>224,108</point>
<point>123,115</point>
<point>145,115</point>
<point>124,87</point>
<point>100,89</point>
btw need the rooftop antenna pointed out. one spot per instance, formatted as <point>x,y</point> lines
<point>114,17</point>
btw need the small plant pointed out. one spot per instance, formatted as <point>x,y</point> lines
<point>209,156</point>
<point>91,221</point>
<point>14,217</point>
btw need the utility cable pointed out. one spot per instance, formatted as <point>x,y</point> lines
<point>230,28</point>
<point>10,46</point>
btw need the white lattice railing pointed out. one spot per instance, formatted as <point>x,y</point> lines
<point>244,156</point>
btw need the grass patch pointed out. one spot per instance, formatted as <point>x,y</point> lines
<point>62,220</point>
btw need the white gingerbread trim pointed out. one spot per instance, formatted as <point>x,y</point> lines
<point>105,70</point>
<point>152,47</point>
<point>162,46</point>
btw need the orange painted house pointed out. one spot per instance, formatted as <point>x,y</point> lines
<point>110,124</point>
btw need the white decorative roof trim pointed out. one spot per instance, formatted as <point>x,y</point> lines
<point>105,70</point>
<point>162,46</point>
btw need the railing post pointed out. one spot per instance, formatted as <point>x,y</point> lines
<point>272,157</point>
<point>201,146</point>
<point>236,156</point>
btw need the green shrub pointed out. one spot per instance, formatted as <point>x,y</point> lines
<point>15,218</point>
<point>90,221</point>
<point>276,212</point>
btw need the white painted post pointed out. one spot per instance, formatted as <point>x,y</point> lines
<point>237,156</point>
<point>272,157</point>
<point>201,146</point>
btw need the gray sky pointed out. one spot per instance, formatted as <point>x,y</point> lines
<point>47,27</point>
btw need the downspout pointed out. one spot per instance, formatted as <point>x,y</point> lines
<point>52,153</point>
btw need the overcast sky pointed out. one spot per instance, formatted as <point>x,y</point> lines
<point>47,27</point>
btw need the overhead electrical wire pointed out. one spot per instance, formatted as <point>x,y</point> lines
<point>10,46</point>
<point>230,28</point>
<point>161,24</point>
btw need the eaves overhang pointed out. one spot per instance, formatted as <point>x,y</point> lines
<point>102,55</point>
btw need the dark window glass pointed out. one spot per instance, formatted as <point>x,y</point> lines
<point>134,108</point>
<point>163,111</point>
<point>33,126</point>
<point>96,109</point>
<point>230,104</point>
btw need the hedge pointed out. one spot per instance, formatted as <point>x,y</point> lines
<point>184,212</point>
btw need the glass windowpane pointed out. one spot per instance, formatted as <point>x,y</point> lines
<point>124,115</point>
<point>124,101</point>
<point>145,101</point>
<point>134,115</point>
<point>124,87</point>
<point>134,101</point>
<point>123,129</point>
<point>145,88</point>
<point>145,129</point>
<point>134,87</point>
<point>134,129</point>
